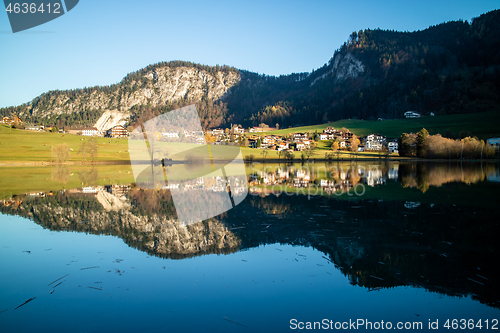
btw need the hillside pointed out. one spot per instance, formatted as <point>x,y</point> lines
<point>450,68</point>
<point>484,125</point>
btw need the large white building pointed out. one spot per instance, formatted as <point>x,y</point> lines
<point>412,114</point>
<point>89,131</point>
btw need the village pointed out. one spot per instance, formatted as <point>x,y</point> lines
<point>253,137</point>
<point>343,139</point>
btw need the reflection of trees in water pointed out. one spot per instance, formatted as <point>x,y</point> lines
<point>60,173</point>
<point>278,207</point>
<point>89,177</point>
<point>423,175</point>
<point>151,202</point>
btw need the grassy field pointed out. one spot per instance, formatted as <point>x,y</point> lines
<point>483,125</point>
<point>18,146</point>
<point>28,146</point>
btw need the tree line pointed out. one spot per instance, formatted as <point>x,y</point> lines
<point>423,145</point>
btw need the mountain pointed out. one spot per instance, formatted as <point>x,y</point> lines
<point>449,68</point>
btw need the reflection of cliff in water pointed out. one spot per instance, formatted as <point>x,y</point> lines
<point>382,244</point>
<point>435,243</point>
<point>144,219</point>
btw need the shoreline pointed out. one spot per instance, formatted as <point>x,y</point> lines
<point>258,160</point>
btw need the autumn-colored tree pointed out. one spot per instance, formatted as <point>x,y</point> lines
<point>353,143</point>
<point>209,138</point>
<point>421,142</point>
<point>408,145</point>
<point>335,145</point>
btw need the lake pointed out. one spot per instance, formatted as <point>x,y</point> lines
<point>365,245</point>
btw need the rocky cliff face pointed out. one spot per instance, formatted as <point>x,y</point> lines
<point>110,119</point>
<point>154,86</point>
<point>343,67</point>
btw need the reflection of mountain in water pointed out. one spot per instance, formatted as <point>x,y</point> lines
<point>144,219</point>
<point>421,240</point>
<point>443,248</point>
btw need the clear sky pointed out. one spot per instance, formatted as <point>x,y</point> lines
<point>100,41</point>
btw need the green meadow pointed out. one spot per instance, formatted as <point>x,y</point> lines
<point>484,125</point>
<point>19,146</point>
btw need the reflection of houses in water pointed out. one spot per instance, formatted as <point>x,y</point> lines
<point>494,176</point>
<point>12,202</point>
<point>91,189</point>
<point>111,197</point>
<point>117,189</point>
<point>393,172</point>
<point>330,186</point>
<point>302,178</point>
<point>214,184</point>
<point>219,186</point>
<point>374,177</point>
<point>282,174</point>
<point>171,186</point>
<point>269,178</point>
<point>411,204</point>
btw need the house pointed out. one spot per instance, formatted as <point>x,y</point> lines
<point>238,130</point>
<point>171,134</point>
<point>11,121</point>
<point>327,136</point>
<point>252,143</point>
<point>117,132</point>
<point>324,136</point>
<point>269,140</point>
<point>33,128</point>
<point>73,130</point>
<point>361,148</point>
<point>346,135</point>
<point>330,130</point>
<point>217,132</point>
<point>373,145</point>
<point>393,147</point>
<point>412,114</point>
<point>300,136</point>
<point>307,142</point>
<point>376,137</point>
<point>300,145</point>
<point>7,120</point>
<point>89,131</point>
<point>283,146</point>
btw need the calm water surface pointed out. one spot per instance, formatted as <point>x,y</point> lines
<point>420,244</point>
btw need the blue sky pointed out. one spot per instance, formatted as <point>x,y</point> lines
<point>99,42</point>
